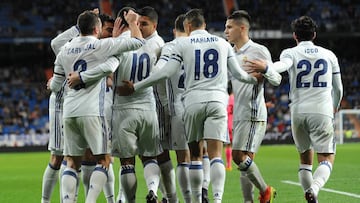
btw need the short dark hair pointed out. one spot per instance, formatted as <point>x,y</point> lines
<point>149,12</point>
<point>304,28</point>
<point>179,23</point>
<point>106,18</point>
<point>121,14</point>
<point>87,21</point>
<point>240,15</point>
<point>195,17</point>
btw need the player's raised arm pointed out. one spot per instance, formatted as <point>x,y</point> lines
<point>95,74</point>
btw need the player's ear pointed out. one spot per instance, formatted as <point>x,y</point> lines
<point>314,36</point>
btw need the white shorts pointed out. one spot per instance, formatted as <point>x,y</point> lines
<point>135,132</point>
<point>164,126</point>
<point>56,136</point>
<point>248,135</point>
<point>313,131</point>
<point>86,132</point>
<point>206,120</point>
<point>178,139</point>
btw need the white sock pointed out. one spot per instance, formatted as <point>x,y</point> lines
<point>50,178</point>
<point>69,180</point>
<point>253,173</point>
<point>121,193</point>
<point>247,187</point>
<point>305,176</point>
<point>168,180</point>
<point>182,173</point>
<point>86,169</point>
<point>128,182</point>
<point>152,175</point>
<point>321,176</point>
<point>206,169</point>
<point>217,177</point>
<point>97,181</point>
<point>61,171</point>
<point>109,185</point>
<point>196,175</point>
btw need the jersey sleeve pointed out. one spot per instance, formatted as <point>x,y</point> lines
<point>58,76</point>
<point>336,82</point>
<point>100,71</point>
<point>171,67</point>
<point>285,62</point>
<point>236,71</point>
<point>64,37</point>
<point>115,46</point>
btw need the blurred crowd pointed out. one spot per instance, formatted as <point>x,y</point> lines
<point>44,18</point>
<point>24,99</point>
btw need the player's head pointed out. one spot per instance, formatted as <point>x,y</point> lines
<point>194,20</point>
<point>107,25</point>
<point>237,26</point>
<point>122,12</point>
<point>304,28</point>
<point>148,20</point>
<point>179,30</point>
<point>89,23</point>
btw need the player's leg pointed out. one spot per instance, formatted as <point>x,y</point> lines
<point>180,145</point>
<point>323,141</point>
<point>194,116</point>
<point>74,148</point>
<point>109,187</point>
<point>149,149</point>
<point>96,134</point>
<point>56,142</point>
<point>50,177</point>
<point>196,173</point>
<point>215,134</point>
<point>88,165</point>
<point>247,138</point>
<point>206,171</point>
<point>167,176</point>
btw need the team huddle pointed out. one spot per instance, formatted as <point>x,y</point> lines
<point>118,90</point>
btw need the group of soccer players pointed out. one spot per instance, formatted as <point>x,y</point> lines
<point>174,96</point>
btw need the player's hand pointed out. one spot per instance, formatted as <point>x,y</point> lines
<point>255,65</point>
<point>96,11</point>
<point>131,17</point>
<point>258,76</point>
<point>118,27</point>
<point>73,79</point>
<point>126,89</point>
<point>48,84</point>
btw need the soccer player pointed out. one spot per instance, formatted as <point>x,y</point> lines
<point>84,122</point>
<point>315,92</point>
<point>177,140</point>
<point>206,59</point>
<point>135,123</point>
<point>148,23</point>
<point>88,163</point>
<point>56,147</point>
<point>250,113</point>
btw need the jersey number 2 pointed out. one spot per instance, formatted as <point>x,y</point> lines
<point>80,66</point>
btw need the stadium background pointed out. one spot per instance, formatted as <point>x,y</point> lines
<point>27,60</point>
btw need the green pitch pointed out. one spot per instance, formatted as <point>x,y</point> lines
<point>21,177</point>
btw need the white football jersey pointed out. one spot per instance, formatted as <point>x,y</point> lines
<point>311,78</point>
<point>205,57</point>
<point>206,60</point>
<point>136,66</point>
<point>249,99</point>
<point>85,53</point>
<point>175,84</point>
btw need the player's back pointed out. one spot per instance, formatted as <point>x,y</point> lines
<point>311,78</point>
<point>175,84</point>
<point>136,66</point>
<point>205,61</point>
<point>80,54</point>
